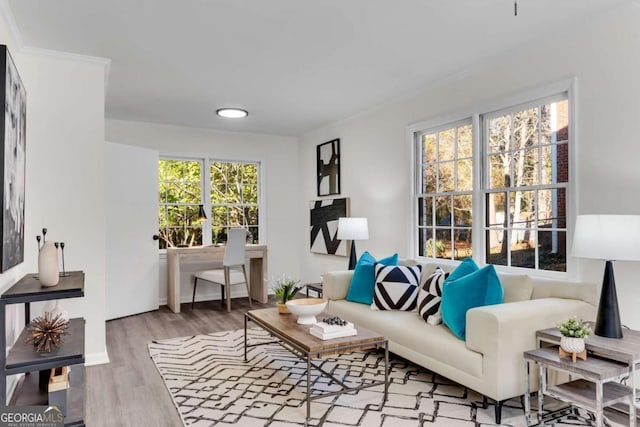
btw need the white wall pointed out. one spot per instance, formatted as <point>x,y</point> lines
<point>278,155</point>
<point>64,178</point>
<point>376,156</point>
<point>14,313</point>
<point>65,182</point>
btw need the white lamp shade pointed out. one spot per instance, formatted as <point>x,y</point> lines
<point>353,229</point>
<point>608,237</point>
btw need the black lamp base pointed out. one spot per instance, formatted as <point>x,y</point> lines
<point>608,320</point>
<point>352,258</point>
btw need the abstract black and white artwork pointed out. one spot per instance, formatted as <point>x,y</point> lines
<point>14,124</point>
<point>328,156</point>
<point>324,226</point>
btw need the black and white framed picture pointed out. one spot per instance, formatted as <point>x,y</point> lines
<point>324,216</point>
<point>328,156</point>
<point>14,125</point>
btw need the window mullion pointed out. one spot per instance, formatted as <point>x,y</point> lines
<point>206,201</point>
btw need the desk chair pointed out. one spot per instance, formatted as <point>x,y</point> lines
<point>234,257</point>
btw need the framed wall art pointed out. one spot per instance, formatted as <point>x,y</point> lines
<point>13,141</point>
<point>328,167</point>
<point>324,216</point>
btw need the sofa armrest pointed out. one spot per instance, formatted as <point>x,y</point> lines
<point>502,332</point>
<point>335,284</point>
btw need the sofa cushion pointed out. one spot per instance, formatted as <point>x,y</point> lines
<point>480,288</point>
<point>396,287</point>
<point>516,287</point>
<point>406,329</point>
<point>429,296</point>
<point>363,281</point>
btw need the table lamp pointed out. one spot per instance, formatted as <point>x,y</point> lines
<point>611,238</point>
<point>353,229</point>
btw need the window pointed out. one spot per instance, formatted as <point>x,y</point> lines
<point>444,202</point>
<point>234,199</point>
<point>517,176</point>
<point>180,186</point>
<point>228,193</point>
<point>527,164</point>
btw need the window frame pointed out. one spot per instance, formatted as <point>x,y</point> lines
<point>205,185</point>
<point>418,148</point>
<point>209,208</point>
<point>476,112</point>
<point>183,159</point>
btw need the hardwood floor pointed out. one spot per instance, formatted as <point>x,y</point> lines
<point>129,391</point>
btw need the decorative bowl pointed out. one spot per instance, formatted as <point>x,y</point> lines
<point>306,309</point>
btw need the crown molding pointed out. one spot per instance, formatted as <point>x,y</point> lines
<point>67,56</point>
<point>7,14</point>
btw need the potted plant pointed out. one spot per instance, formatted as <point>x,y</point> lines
<point>285,289</point>
<point>573,332</point>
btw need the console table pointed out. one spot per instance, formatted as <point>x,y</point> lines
<point>258,277</point>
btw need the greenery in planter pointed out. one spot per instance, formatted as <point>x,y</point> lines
<point>574,328</point>
<point>286,288</point>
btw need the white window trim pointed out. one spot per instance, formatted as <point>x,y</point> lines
<point>522,98</point>
<point>205,185</point>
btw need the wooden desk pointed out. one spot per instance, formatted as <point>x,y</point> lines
<point>258,278</point>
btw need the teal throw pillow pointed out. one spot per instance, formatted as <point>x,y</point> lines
<point>467,266</point>
<point>480,288</point>
<point>364,280</point>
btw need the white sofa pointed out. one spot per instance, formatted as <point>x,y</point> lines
<point>490,361</point>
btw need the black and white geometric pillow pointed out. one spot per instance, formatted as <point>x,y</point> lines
<point>430,295</point>
<point>396,287</point>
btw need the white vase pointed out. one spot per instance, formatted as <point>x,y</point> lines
<point>48,265</point>
<point>572,345</point>
<point>55,309</point>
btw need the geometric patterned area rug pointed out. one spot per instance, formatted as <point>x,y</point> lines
<point>210,384</point>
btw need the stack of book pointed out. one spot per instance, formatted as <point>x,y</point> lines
<point>325,331</point>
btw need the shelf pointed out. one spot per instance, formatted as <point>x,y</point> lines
<point>28,393</point>
<point>583,393</point>
<point>23,357</point>
<point>594,368</point>
<point>29,289</point>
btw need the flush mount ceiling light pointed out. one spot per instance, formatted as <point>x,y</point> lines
<point>232,113</point>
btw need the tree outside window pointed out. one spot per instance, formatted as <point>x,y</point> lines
<point>232,193</point>
<point>180,200</point>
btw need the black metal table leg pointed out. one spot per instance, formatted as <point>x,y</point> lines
<point>386,372</point>
<point>308,388</point>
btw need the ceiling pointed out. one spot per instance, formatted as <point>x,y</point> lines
<point>294,64</point>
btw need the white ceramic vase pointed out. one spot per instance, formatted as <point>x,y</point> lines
<point>48,265</point>
<point>55,309</point>
<point>572,345</point>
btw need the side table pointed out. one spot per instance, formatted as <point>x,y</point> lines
<point>315,287</point>
<point>625,350</point>
<point>595,390</point>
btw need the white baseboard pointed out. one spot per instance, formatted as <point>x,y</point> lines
<point>236,292</point>
<point>98,358</point>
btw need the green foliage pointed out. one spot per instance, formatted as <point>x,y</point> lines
<point>286,288</point>
<point>435,247</point>
<point>233,197</point>
<point>574,328</point>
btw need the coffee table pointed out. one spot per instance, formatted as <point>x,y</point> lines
<point>297,339</point>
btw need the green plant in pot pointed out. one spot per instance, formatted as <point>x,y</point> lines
<point>285,289</point>
<point>573,332</point>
